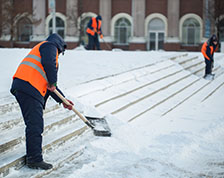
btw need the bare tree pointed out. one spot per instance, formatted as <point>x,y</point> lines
<point>81,27</point>
<point>9,17</point>
<point>215,12</point>
<point>218,15</point>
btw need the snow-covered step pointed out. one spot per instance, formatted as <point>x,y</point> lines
<point>206,91</point>
<point>119,103</point>
<point>211,88</point>
<point>189,65</point>
<point>134,111</point>
<point>6,100</point>
<point>177,55</point>
<point>54,138</point>
<point>180,98</point>
<point>195,69</point>
<point>155,89</point>
<point>101,97</point>
<point>14,118</point>
<point>52,119</point>
<point>218,70</point>
<point>8,106</point>
<point>186,59</point>
<point>200,70</point>
<point>109,81</point>
<point>199,97</point>
<point>64,153</point>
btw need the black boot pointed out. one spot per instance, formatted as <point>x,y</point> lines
<point>39,165</point>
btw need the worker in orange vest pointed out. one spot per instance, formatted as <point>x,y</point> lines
<point>34,81</point>
<point>94,31</point>
<point>208,49</point>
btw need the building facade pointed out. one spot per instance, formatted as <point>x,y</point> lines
<point>178,25</point>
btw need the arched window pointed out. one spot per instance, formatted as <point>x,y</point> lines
<point>60,27</point>
<point>24,29</point>
<point>191,32</point>
<point>83,26</point>
<point>156,34</point>
<point>122,31</point>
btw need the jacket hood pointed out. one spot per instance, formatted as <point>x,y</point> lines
<point>58,41</point>
<point>99,17</point>
<point>212,39</point>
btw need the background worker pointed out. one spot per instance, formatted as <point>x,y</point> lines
<point>93,31</point>
<point>208,49</point>
<point>34,81</point>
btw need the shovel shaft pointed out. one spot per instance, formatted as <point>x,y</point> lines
<point>106,44</point>
<point>77,112</point>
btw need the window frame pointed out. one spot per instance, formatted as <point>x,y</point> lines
<point>181,22</point>
<point>117,31</point>
<point>48,19</point>
<point>114,20</point>
<point>190,24</point>
<point>58,28</point>
<point>19,32</point>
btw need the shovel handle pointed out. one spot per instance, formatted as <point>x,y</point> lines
<point>77,112</point>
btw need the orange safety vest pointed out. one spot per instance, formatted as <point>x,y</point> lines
<point>94,25</point>
<point>32,71</point>
<point>204,50</point>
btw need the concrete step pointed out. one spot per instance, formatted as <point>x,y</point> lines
<point>13,147</point>
<point>103,96</point>
<point>177,55</point>
<point>159,88</point>
<point>124,101</point>
<point>186,59</point>
<point>54,138</point>
<point>132,112</point>
<point>51,121</point>
<point>110,81</point>
<point>10,119</point>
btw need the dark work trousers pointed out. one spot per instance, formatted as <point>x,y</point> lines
<point>32,111</point>
<point>93,42</point>
<point>208,67</point>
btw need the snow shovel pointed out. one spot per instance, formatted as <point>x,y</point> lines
<point>98,125</point>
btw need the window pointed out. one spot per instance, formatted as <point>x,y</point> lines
<point>221,31</point>
<point>122,31</point>
<point>60,27</point>
<point>191,32</point>
<point>24,30</point>
<point>156,34</point>
<point>83,26</point>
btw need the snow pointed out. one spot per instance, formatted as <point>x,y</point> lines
<point>186,142</point>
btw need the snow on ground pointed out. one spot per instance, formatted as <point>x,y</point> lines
<point>187,142</point>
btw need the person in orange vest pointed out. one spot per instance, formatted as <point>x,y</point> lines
<point>208,49</point>
<point>94,31</point>
<point>34,81</point>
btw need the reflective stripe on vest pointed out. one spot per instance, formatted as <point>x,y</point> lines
<point>32,71</point>
<point>35,67</point>
<point>34,57</point>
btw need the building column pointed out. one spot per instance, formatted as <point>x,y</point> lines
<point>105,12</point>
<point>72,20</point>
<point>39,14</point>
<point>173,21</point>
<point>138,14</point>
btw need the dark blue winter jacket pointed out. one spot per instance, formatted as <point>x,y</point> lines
<point>48,52</point>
